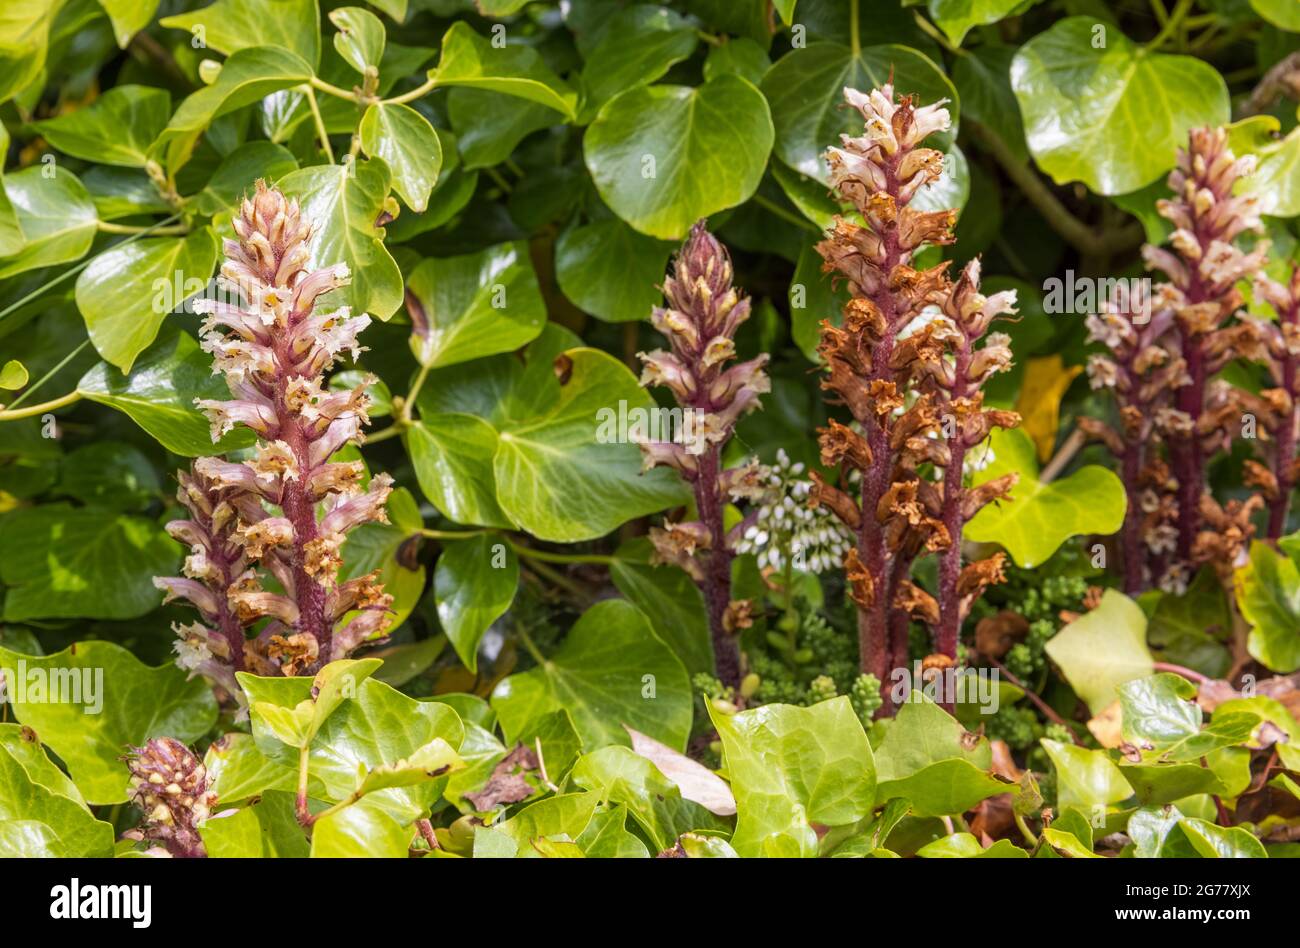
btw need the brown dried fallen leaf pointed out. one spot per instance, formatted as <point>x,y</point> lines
<point>696,782</point>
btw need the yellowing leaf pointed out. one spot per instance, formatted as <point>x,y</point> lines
<point>1039,404</point>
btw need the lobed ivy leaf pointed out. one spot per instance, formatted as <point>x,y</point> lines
<point>37,821</point>
<point>1268,594</point>
<point>267,828</point>
<point>639,45</point>
<point>564,818</point>
<point>610,671</point>
<point>471,61</point>
<point>662,157</point>
<point>1085,778</point>
<point>229,26</point>
<point>452,455</point>
<point>1037,518</point>
<point>790,767</point>
<point>1100,110</point>
<point>957,17</point>
<point>114,702</point>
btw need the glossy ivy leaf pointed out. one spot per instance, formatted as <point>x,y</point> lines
<point>564,817</point>
<point>56,216</point>
<point>610,270</point>
<point>471,61</point>
<point>229,26</point>
<point>1101,110</point>
<point>966,846</point>
<point>1270,711</point>
<point>130,288</point>
<point>379,546</point>
<point>298,724</point>
<point>1037,518</point>
<point>957,17</point>
<point>344,201</point>
<point>1224,772</point>
<point>1085,778</point>
<point>24,43</point>
<point>1268,595</point>
<point>474,305</point>
<point>1274,181</point>
<point>115,129</point>
<point>607,837</point>
<point>610,670</point>
<point>238,770</point>
<point>406,142</point>
<point>983,78</point>
<point>1160,714</point>
<point>111,701</point>
<point>109,474</point>
<point>739,55</point>
<point>37,821</point>
<point>1103,649</point>
<point>639,45</point>
<point>490,125</point>
<point>619,775</point>
<point>561,471</point>
<point>159,392</point>
<point>791,767</point>
<point>1166,832</point>
<point>452,455</point>
<point>238,172</point>
<point>805,88</point>
<point>360,38</point>
<point>25,746</point>
<point>670,599</point>
<point>59,561</point>
<point>1280,13</point>
<point>930,760</point>
<point>248,76</point>
<point>473,584</point>
<point>13,376</point>
<point>656,153</point>
<point>267,828</point>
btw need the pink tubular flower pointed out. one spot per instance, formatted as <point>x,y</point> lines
<point>169,783</point>
<point>703,313</point>
<point>274,352</point>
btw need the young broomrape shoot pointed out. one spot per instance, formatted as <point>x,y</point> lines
<point>1281,420</point>
<point>170,784</point>
<point>912,386</point>
<point>1202,271</point>
<point>700,321</point>
<point>286,511</point>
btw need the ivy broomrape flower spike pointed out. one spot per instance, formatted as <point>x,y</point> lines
<point>913,390</point>
<point>700,321</point>
<point>1281,418</point>
<point>170,784</point>
<point>286,511</point>
<point>1200,294</point>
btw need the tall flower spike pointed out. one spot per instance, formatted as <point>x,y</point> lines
<point>700,321</point>
<point>1200,294</point>
<point>169,783</point>
<point>872,369</point>
<point>286,510</point>
<point>1281,411</point>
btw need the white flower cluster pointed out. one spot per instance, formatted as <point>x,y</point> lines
<point>786,529</point>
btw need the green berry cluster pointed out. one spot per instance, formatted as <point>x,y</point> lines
<point>865,697</point>
<point>821,688</point>
<point>1018,726</point>
<point>1025,659</point>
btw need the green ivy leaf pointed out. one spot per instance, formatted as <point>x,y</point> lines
<point>1268,595</point>
<point>1188,629</point>
<point>474,583</point>
<point>452,455</point>
<point>662,157</point>
<point>670,599</point>
<point>265,829</point>
<point>791,767</point>
<point>129,289</point>
<point>13,375</point>
<point>24,43</point>
<point>56,216</point>
<point>239,171</point>
<point>238,770</point>
<point>805,88</point>
<point>1085,778</point>
<point>1166,832</point>
<point>36,821</point>
<point>60,561</point>
<point>109,474</point>
<point>122,703</point>
<point>1103,649</point>
<point>360,38</point>
<point>475,305</point>
<point>966,846</point>
<point>1281,13</point>
<point>344,201</point>
<point>1037,518</point>
<point>471,61</point>
<point>564,817</point>
<point>115,129</point>
<point>609,270</point>
<point>958,17</point>
<point>229,26</point>
<point>159,393</point>
<point>406,142</point>
<point>639,45</point>
<point>490,125</point>
<point>610,670</point>
<point>1100,110</point>
<point>248,76</point>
